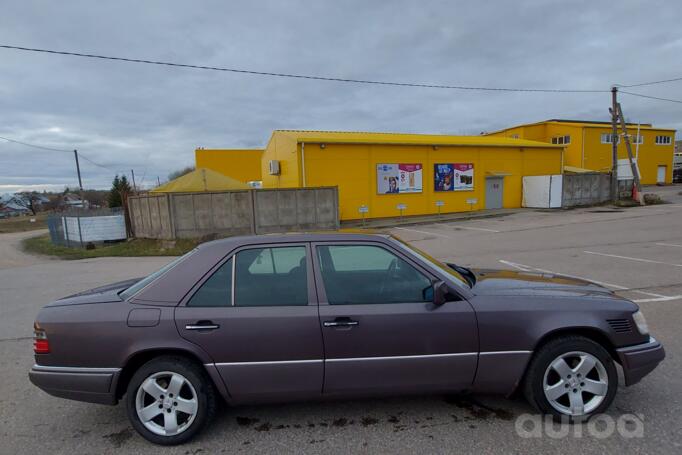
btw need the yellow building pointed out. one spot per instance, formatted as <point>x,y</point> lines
<point>588,145</point>
<point>240,164</point>
<point>378,173</point>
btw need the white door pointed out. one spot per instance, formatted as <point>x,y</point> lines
<point>660,178</point>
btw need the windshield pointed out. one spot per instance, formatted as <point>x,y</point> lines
<point>455,275</point>
<point>135,288</point>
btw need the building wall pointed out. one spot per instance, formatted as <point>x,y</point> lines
<point>352,167</point>
<point>282,148</point>
<point>587,151</point>
<point>242,165</point>
<point>649,156</point>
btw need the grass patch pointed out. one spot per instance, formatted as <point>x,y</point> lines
<point>23,223</point>
<point>136,247</point>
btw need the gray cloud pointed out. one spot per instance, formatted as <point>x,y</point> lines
<point>151,118</point>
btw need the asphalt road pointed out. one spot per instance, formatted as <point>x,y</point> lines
<point>636,251</point>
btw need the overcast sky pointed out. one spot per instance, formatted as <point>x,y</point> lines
<point>149,118</point>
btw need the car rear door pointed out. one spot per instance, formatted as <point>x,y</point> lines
<point>256,316</point>
<point>381,330</point>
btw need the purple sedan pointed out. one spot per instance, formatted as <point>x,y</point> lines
<point>315,316</point>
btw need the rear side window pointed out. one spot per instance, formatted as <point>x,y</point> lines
<point>363,274</point>
<point>217,290</point>
<point>271,277</point>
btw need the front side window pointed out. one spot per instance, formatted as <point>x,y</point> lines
<point>366,274</point>
<point>271,277</point>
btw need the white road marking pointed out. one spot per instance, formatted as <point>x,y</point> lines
<point>659,299</point>
<point>423,232</point>
<point>650,261</point>
<point>467,227</point>
<point>523,268</point>
<point>529,268</point>
<point>670,244</point>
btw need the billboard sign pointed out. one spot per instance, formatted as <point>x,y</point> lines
<point>399,178</point>
<point>453,177</point>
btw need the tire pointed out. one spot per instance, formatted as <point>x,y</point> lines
<point>169,400</point>
<point>558,389</point>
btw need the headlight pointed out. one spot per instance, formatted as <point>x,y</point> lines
<point>642,326</point>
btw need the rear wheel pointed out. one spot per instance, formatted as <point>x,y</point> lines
<point>571,377</point>
<point>169,400</point>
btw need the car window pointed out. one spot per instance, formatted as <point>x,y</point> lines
<point>217,290</point>
<point>271,277</point>
<point>135,288</point>
<point>364,274</point>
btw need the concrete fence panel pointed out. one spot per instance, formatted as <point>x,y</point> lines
<point>191,215</point>
<point>586,189</point>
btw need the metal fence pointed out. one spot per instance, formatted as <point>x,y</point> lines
<point>192,215</point>
<point>79,227</point>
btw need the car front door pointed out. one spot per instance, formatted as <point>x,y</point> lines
<point>381,330</point>
<point>256,316</point>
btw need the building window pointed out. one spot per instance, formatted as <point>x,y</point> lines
<point>606,138</point>
<point>637,139</point>
<point>514,136</point>
<point>663,140</point>
<point>561,140</point>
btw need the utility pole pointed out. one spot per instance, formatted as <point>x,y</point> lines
<point>614,142</point>
<point>158,181</point>
<point>80,187</point>
<point>633,166</point>
<point>132,172</point>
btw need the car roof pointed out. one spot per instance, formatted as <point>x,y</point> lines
<point>313,236</point>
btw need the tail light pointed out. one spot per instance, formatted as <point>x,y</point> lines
<point>40,343</point>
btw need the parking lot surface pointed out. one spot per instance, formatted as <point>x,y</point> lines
<point>635,251</point>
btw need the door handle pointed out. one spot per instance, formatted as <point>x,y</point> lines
<point>341,322</point>
<point>202,325</point>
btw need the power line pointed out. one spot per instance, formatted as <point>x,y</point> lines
<point>302,76</point>
<point>60,150</point>
<point>676,79</point>
<point>651,97</point>
<point>35,146</point>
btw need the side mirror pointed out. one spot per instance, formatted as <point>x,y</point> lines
<point>440,293</point>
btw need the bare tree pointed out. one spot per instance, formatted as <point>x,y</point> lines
<point>28,200</point>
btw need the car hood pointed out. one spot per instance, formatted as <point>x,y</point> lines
<point>102,294</point>
<point>508,282</point>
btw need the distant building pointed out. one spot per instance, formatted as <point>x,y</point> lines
<point>73,200</point>
<point>588,145</point>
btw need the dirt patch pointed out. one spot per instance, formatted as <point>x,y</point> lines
<point>120,437</point>
<point>477,409</point>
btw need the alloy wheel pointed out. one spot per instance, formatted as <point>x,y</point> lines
<point>166,403</point>
<point>575,383</point>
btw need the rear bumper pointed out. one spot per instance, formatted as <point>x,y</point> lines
<point>94,385</point>
<point>640,360</point>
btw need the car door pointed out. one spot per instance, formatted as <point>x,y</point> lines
<point>381,330</point>
<point>256,316</point>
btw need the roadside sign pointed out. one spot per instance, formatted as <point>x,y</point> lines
<point>401,206</point>
<point>440,203</point>
<point>363,209</point>
<point>472,201</point>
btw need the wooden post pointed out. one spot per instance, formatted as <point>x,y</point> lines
<point>614,143</point>
<point>635,174</point>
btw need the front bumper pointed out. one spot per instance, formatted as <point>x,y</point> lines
<point>93,385</point>
<point>641,359</point>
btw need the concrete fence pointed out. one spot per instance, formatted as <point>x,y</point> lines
<point>191,215</point>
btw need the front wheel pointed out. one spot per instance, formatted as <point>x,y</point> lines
<point>169,400</point>
<point>571,377</point>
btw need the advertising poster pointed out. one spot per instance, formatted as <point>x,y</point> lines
<point>453,177</point>
<point>399,178</point>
